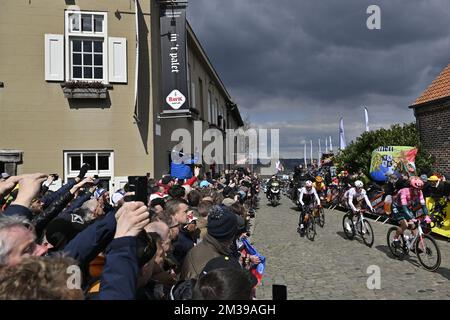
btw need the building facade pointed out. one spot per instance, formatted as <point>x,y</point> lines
<point>432,112</point>
<point>80,82</point>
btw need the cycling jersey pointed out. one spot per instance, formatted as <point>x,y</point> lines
<point>405,202</point>
<point>308,196</point>
<point>410,199</point>
<point>352,195</point>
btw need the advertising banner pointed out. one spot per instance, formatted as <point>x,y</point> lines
<point>173,58</point>
<point>392,160</point>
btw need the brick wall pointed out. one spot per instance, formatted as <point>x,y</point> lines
<point>434,126</point>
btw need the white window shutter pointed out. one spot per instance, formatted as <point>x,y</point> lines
<point>54,57</point>
<point>117,50</point>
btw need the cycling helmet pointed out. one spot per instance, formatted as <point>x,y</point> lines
<point>416,183</point>
<point>359,184</point>
<point>319,179</point>
<point>308,184</point>
<point>433,178</point>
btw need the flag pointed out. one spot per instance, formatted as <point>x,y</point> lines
<point>311,154</point>
<point>279,166</point>
<point>331,145</point>
<point>257,270</point>
<point>304,155</point>
<point>342,143</point>
<point>326,145</point>
<point>366,115</point>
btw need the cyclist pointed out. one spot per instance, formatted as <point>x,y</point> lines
<point>406,199</point>
<point>357,194</point>
<point>307,196</point>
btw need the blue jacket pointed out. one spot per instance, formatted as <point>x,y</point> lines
<point>50,197</point>
<point>120,274</point>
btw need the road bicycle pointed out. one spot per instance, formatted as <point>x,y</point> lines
<point>309,222</point>
<point>423,245</point>
<point>355,223</point>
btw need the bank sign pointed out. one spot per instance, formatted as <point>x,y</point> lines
<point>173,57</point>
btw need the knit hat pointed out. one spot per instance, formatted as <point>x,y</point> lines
<point>222,223</point>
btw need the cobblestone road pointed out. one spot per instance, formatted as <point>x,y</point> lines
<point>332,267</point>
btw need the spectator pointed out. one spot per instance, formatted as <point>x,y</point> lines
<point>39,278</point>
<point>222,229</point>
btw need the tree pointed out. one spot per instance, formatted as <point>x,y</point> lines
<point>358,153</point>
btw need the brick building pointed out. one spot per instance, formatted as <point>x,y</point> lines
<point>432,112</point>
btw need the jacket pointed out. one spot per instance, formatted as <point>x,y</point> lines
<point>120,274</point>
<point>184,243</point>
<point>198,257</point>
<point>51,212</point>
<point>49,198</point>
<point>92,240</point>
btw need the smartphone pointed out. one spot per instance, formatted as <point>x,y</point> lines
<point>138,184</point>
<point>279,292</point>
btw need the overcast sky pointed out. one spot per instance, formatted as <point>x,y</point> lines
<point>299,65</point>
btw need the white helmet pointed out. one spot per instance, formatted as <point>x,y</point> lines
<point>359,184</point>
<point>308,184</point>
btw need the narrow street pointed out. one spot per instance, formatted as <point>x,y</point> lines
<point>332,267</point>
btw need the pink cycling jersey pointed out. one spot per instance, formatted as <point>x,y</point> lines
<point>407,198</point>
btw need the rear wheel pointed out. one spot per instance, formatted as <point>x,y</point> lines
<point>428,253</point>
<point>397,247</point>
<point>348,225</point>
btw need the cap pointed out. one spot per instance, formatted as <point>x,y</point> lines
<point>117,196</point>
<point>5,175</point>
<point>99,192</point>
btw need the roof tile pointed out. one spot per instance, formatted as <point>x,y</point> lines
<point>439,88</point>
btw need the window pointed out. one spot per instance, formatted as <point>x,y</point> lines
<point>101,163</point>
<point>86,46</point>
<point>193,95</point>
<point>189,82</point>
<point>210,107</point>
<point>200,94</point>
<point>216,110</point>
<point>87,59</point>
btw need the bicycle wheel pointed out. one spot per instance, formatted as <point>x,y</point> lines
<point>367,233</point>
<point>310,228</point>
<point>348,225</point>
<point>428,253</point>
<point>321,217</point>
<point>396,251</point>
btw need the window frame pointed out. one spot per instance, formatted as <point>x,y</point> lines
<point>69,173</point>
<point>70,35</point>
